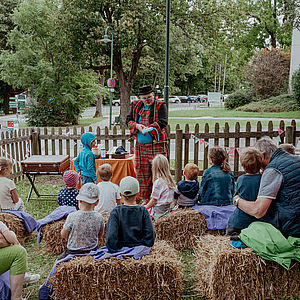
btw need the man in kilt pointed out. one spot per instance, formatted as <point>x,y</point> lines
<point>147,121</point>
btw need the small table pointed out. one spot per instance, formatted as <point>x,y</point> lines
<point>121,168</point>
<point>44,165</point>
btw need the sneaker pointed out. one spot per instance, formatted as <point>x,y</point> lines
<point>31,278</point>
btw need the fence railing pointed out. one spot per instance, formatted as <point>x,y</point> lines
<point>185,144</point>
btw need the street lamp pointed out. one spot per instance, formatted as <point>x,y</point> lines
<point>107,40</point>
<point>167,55</point>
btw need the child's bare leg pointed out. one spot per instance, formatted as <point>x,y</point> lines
<point>16,286</point>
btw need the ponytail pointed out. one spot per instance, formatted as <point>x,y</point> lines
<point>218,156</point>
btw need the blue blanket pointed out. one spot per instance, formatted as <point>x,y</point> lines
<point>59,213</point>
<point>28,220</point>
<point>216,216</point>
<point>5,286</point>
<point>136,252</point>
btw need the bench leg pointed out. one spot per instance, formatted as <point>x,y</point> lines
<point>31,187</point>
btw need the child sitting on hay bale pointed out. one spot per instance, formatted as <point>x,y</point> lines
<point>162,195</point>
<point>217,185</point>
<point>84,227</point>
<point>109,193</point>
<point>9,199</point>
<point>247,187</point>
<point>67,195</point>
<point>129,225</point>
<point>187,190</point>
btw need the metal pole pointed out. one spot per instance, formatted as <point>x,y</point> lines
<point>224,74</point>
<point>167,56</point>
<point>111,71</point>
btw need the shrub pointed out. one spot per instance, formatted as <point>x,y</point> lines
<point>268,73</point>
<point>284,102</point>
<point>296,86</point>
<point>238,98</point>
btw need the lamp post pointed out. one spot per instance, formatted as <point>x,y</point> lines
<point>167,55</point>
<point>107,40</point>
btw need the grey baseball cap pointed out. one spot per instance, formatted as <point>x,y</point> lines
<point>129,186</point>
<point>88,193</point>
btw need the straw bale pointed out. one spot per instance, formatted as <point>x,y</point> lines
<point>16,225</point>
<point>225,272</point>
<point>155,276</point>
<point>55,244</point>
<point>181,226</point>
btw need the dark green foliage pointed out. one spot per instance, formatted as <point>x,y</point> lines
<point>296,86</point>
<point>284,102</point>
<point>237,99</point>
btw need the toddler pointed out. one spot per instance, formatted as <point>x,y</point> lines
<point>162,195</point>
<point>247,187</point>
<point>84,163</point>
<point>9,199</point>
<point>84,227</point>
<point>109,193</point>
<point>129,224</point>
<point>187,190</point>
<point>217,185</point>
<point>67,195</point>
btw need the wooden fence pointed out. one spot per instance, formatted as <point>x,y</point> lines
<point>186,144</point>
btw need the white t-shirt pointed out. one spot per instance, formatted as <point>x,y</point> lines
<point>109,193</point>
<point>6,185</point>
<point>162,193</point>
<point>3,227</point>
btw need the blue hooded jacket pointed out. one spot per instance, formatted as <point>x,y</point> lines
<point>85,161</point>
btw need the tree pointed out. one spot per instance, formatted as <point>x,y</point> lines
<point>6,25</point>
<point>43,63</point>
<point>268,72</point>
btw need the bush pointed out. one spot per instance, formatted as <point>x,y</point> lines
<point>268,73</point>
<point>238,98</point>
<point>279,103</point>
<point>296,86</point>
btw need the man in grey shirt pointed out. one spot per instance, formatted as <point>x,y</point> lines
<point>278,200</point>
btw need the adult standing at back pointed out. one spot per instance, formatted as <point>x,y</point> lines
<point>278,200</point>
<point>147,121</point>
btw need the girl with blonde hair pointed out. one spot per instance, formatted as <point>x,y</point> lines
<point>9,199</point>
<point>162,195</point>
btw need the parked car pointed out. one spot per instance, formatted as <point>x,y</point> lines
<point>117,102</point>
<point>202,98</point>
<point>172,99</point>
<point>191,99</point>
<point>183,99</point>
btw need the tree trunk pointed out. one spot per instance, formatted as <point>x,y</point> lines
<point>98,112</point>
<point>124,100</point>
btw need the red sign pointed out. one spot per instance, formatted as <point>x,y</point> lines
<point>10,124</point>
<point>111,82</point>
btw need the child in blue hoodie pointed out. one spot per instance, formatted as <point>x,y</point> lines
<point>84,163</point>
<point>186,193</point>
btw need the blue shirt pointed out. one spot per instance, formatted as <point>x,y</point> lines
<point>247,187</point>
<point>217,187</point>
<point>141,138</point>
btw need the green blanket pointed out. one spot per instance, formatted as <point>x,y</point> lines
<point>270,244</point>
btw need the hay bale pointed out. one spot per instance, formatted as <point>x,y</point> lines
<point>55,244</point>
<point>225,272</point>
<point>181,226</point>
<point>155,276</point>
<point>16,225</point>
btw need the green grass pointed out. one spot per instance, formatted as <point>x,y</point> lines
<point>219,112</point>
<point>81,122</point>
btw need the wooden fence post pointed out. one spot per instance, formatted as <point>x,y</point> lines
<point>289,135</point>
<point>35,143</point>
<point>178,155</point>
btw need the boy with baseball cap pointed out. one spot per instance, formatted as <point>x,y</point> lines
<point>84,227</point>
<point>129,225</point>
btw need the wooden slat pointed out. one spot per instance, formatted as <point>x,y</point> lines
<point>60,145</point>
<point>68,141</point>
<point>205,155</point>
<point>53,150</point>
<point>106,140</point>
<point>196,146</point>
<point>46,142</point>
<point>186,145</point>
<point>236,145</point>
<point>76,143</point>
<point>248,129</point>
